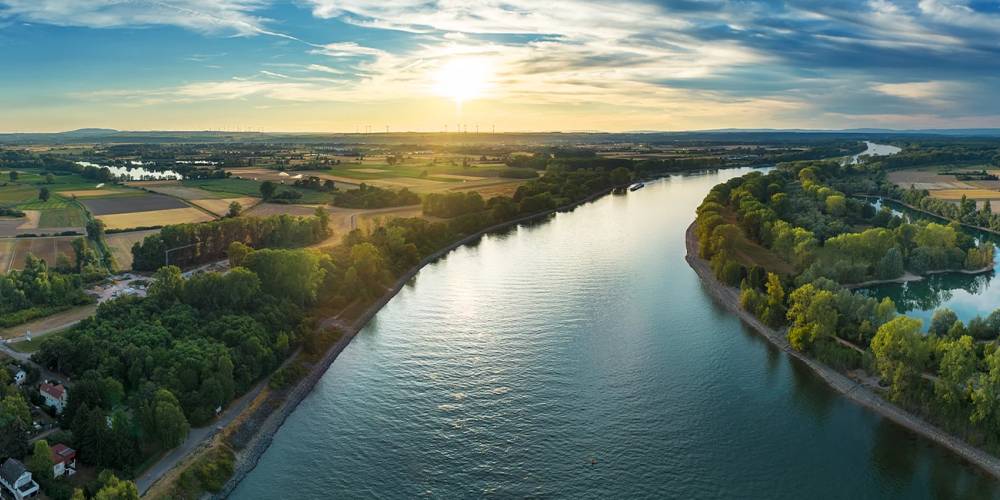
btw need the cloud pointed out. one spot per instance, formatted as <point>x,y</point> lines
<point>215,16</point>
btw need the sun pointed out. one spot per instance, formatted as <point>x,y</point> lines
<point>463,79</point>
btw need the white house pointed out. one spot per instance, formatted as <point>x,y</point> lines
<point>55,396</point>
<point>17,480</point>
<point>17,374</point>
<point>63,460</point>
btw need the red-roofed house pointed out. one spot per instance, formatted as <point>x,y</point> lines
<point>55,396</point>
<point>63,460</point>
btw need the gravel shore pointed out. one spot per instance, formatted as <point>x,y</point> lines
<point>729,297</point>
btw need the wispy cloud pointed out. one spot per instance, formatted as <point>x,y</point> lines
<point>226,16</point>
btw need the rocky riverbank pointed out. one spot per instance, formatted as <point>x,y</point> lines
<point>859,392</point>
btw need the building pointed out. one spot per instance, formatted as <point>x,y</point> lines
<point>63,460</point>
<point>55,396</point>
<point>17,480</point>
<point>17,374</point>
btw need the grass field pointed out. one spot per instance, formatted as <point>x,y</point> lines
<point>248,187</point>
<point>89,193</point>
<point>120,245</point>
<point>70,216</point>
<point>174,188</point>
<point>152,218</point>
<point>7,253</point>
<point>130,204</point>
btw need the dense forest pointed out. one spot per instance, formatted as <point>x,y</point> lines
<point>809,237</point>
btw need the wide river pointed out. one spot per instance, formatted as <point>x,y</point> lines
<point>581,358</point>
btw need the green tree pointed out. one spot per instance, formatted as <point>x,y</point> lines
<point>168,284</point>
<point>15,420</point>
<point>986,396</point>
<point>40,461</point>
<point>50,179</point>
<point>955,370</point>
<point>813,314</point>
<point>164,420</point>
<point>942,321</point>
<point>113,488</point>
<point>13,175</point>
<point>235,209</point>
<point>43,194</point>
<point>900,355</point>
<point>267,189</point>
<point>238,253</point>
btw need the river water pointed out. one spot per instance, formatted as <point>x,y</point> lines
<point>873,149</point>
<point>582,358</point>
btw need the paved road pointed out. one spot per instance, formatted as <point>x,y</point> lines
<point>25,358</point>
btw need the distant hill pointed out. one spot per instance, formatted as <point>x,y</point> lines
<point>732,136</point>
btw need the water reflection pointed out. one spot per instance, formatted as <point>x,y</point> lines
<point>135,174</point>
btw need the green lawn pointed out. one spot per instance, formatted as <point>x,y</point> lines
<point>14,194</point>
<point>248,187</point>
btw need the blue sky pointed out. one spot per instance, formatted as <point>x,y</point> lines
<point>325,65</point>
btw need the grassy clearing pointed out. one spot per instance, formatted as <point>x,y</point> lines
<point>750,253</point>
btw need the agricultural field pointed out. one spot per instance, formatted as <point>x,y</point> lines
<point>129,204</point>
<point>177,190</point>
<point>220,206</point>
<point>14,251</point>
<point>67,217</point>
<point>120,245</point>
<point>235,187</point>
<point>947,186</point>
<point>153,218</point>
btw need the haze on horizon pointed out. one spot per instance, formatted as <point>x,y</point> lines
<point>414,65</point>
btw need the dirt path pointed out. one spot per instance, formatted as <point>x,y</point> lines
<point>51,323</point>
<point>858,392</point>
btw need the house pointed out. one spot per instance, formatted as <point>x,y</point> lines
<point>55,396</point>
<point>17,480</point>
<point>63,460</point>
<point>17,374</point>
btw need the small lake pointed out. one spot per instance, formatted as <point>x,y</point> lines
<point>581,357</point>
<point>874,150</point>
<point>968,295</point>
<point>137,173</point>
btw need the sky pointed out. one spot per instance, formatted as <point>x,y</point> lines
<point>504,65</point>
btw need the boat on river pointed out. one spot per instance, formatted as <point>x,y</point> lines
<point>637,186</point>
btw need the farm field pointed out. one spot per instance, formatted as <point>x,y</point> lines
<point>175,189</point>
<point>152,218</point>
<point>14,252</point>
<point>68,217</point>
<point>220,206</point>
<point>90,193</point>
<point>946,186</point>
<point>265,174</point>
<point>342,220</point>
<point>247,187</point>
<point>120,245</point>
<point>130,204</point>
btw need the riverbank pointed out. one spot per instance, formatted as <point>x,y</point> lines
<point>249,456</point>
<point>859,392</point>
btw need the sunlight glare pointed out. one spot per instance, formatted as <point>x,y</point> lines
<point>463,79</point>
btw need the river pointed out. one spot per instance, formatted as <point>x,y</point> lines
<point>873,149</point>
<point>581,358</point>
